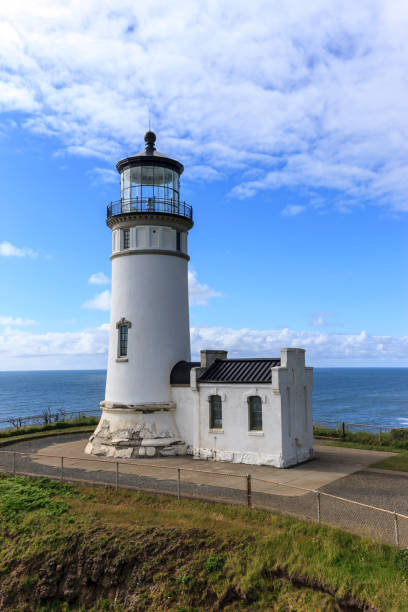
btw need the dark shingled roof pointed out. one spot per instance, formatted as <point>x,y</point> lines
<point>240,371</point>
<point>180,374</point>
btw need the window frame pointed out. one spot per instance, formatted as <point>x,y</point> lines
<point>212,416</point>
<point>120,325</point>
<point>253,427</point>
<point>123,341</point>
<point>126,238</point>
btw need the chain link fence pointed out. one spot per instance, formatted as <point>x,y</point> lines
<point>46,418</point>
<point>215,485</point>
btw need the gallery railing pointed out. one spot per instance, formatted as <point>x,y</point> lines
<point>150,205</point>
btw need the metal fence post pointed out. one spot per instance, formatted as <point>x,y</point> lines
<point>62,469</point>
<point>343,429</point>
<point>117,476</point>
<point>396,529</point>
<point>14,463</point>
<point>379,435</point>
<point>178,483</point>
<point>318,505</point>
<point>249,490</point>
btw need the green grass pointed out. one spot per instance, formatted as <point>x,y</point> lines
<point>395,441</point>
<point>66,547</point>
<point>29,431</point>
<point>399,462</point>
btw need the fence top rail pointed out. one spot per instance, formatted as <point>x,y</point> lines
<point>357,503</point>
<point>283,484</point>
<point>132,463</point>
<point>49,414</point>
<point>178,467</point>
<point>320,421</point>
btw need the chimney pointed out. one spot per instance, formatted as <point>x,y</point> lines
<point>208,357</point>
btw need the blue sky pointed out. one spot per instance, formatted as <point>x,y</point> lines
<point>291,123</point>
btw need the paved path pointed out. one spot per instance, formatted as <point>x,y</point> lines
<point>330,464</point>
<point>340,471</point>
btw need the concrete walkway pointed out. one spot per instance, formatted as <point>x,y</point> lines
<point>331,463</point>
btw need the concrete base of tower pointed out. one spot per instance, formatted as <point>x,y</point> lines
<point>130,431</point>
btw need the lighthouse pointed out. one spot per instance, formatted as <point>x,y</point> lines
<point>159,403</point>
<point>149,321</point>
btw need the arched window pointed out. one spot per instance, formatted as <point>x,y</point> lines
<point>215,412</point>
<point>255,413</point>
<point>123,328</point>
<point>123,340</point>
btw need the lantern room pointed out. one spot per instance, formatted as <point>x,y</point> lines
<point>150,182</point>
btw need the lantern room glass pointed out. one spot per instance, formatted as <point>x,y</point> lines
<point>149,184</point>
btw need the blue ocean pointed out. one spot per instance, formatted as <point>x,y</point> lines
<point>377,396</point>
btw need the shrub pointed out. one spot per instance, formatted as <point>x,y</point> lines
<point>401,559</point>
<point>214,564</point>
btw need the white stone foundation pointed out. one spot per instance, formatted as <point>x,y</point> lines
<point>251,458</point>
<point>129,431</point>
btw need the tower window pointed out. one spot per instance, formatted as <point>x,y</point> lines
<point>123,341</point>
<point>123,327</point>
<point>255,413</point>
<point>126,238</point>
<point>215,412</point>
<point>178,241</point>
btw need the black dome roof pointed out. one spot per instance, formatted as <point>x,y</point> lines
<point>150,157</point>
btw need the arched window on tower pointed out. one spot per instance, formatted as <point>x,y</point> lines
<point>215,412</point>
<point>123,327</point>
<point>255,413</point>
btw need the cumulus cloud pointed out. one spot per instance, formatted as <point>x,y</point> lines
<point>199,294</point>
<point>20,349</point>
<point>17,321</point>
<point>53,350</point>
<point>99,278</point>
<point>9,250</point>
<point>322,319</point>
<point>292,211</point>
<point>326,83</point>
<point>101,301</point>
<point>322,349</point>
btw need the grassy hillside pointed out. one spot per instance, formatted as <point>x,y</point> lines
<point>66,547</point>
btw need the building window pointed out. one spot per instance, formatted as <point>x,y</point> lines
<point>126,238</point>
<point>123,329</point>
<point>178,241</point>
<point>215,412</point>
<point>123,340</point>
<point>255,413</point>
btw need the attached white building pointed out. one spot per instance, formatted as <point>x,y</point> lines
<point>158,402</point>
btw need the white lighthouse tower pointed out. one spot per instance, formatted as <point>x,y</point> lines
<point>149,323</point>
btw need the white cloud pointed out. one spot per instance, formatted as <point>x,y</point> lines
<point>88,348</point>
<point>53,350</point>
<point>291,211</point>
<point>101,301</point>
<point>99,278</point>
<point>199,294</point>
<point>18,321</point>
<point>322,319</point>
<point>308,94</point>
<point>105,175</point>
<point>322,349</point>
<point>9,250</point>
